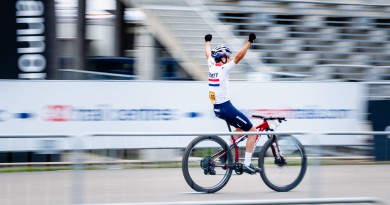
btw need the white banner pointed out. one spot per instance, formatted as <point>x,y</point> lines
<point>82,107</point>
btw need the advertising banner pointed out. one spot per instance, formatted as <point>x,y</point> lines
<point>28,38</point>
<point>86,107</point>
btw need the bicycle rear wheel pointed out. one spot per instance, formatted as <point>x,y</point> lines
<point>279,176</point>
<point>203,168</point>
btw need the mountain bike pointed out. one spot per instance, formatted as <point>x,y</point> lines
<point>208,163</point>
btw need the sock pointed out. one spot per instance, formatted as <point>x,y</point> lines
<point>248,158</point>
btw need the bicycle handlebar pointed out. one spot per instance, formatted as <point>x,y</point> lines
<point>280,119</point>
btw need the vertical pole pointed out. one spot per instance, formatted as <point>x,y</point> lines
<point>387,140</point>
<point>315,182</point>
<point>119,28</point>
<point>145,46</point>
<point>51,39</point>
<point>78,166</point>
<point>80,38</point>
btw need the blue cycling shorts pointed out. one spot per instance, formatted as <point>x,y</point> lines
<point>233,116</point>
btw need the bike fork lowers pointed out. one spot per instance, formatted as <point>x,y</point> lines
<point>277,153</point>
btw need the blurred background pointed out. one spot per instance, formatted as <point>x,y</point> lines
<point>58,56</point>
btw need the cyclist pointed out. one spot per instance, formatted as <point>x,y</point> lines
<point>219,67</point>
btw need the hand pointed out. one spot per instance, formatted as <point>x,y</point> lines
<point>252,37</point>
<point>208,37</point>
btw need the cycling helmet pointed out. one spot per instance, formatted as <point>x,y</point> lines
<point>220,51</point>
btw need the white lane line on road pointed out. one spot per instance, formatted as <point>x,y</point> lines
<point>193,192</point>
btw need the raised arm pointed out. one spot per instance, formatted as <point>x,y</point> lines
<point>240,55</point>
<point>207,46</point>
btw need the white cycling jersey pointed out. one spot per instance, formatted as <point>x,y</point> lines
<point>219,81</point>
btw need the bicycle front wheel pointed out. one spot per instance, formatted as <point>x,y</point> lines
<point>283,176</point>
<point>203,167</point>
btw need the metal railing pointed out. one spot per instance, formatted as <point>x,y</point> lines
<point>315,157</point>
<point>78,143</point>
<point>73,74</point>
<point>78,146</point>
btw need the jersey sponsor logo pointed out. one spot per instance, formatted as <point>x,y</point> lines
<point>213,75</point>
<point>213,79</point>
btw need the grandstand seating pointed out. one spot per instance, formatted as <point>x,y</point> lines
<point>296,39</point>
<point>181,26</point>
<point>350,38</point>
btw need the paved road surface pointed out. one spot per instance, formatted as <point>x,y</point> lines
<point>168,185</point>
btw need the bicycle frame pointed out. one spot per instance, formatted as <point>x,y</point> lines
<point>264,126</point>
<point>207,156</point>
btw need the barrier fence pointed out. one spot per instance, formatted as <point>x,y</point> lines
<point>77,146</point>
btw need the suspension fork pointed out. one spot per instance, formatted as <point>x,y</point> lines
<point>265,127</point>
<point>276,148</point>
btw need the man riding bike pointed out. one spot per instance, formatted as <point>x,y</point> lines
<point>220,65</point>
